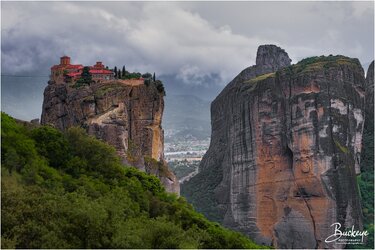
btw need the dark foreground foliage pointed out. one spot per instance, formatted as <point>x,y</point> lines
<point>69,190</point>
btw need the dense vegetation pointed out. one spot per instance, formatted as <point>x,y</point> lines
<point>183,168</point>
<point>202,188</point>
<point>366,179</point>
<point>84,80</point>
<point>124,74</point>
<point>148,78</point>
<point>314,63</point>
<point>69,190</point>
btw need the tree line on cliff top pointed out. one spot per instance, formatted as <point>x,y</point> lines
<point>123,74</point>
<point>70,190</point>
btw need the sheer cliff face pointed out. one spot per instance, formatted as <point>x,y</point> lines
<point>128,117</point>
<point>285,148</point>
<point>370,89</point>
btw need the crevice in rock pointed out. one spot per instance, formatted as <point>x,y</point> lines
<point>290,157</point>
<point>96,105</point>
<point>243,128</point>
<point>289,135</point>
<point>312,219</point>
<point>130,116</point>
<point>301,192</point>
<point>316,126</point>
<point>153,111</point>
<point>251,135</point>
<point>289,154</point>
<point>330,125</point>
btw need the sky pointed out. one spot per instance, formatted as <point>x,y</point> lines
<point>190,41</point>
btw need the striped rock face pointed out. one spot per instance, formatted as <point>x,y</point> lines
<point>285,150</point>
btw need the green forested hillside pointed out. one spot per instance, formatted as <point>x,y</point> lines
<point>366,179</point>
<point>69,190</point>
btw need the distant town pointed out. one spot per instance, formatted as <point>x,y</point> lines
<point>189,150</point>
<point>184,156</point>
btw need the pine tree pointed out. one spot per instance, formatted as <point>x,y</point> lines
<point>119,73</point>
<point>115,70</point>
<point>86,76</point>
<point>123,72</point>
<point>154,78</point>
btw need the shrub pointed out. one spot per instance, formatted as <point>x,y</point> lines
<point>160,87</point>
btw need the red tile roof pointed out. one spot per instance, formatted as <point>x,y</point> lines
<point>92,71</point>
<point>100,71</point>
<point>74,74</point>
<point>70,66</point>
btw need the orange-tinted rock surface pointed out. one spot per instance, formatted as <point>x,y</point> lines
<point>285,150</point>
<point>127,116</point>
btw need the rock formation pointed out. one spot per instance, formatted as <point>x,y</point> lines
<point>285,149</point>
<point>369,87</point>
<point>367,166</point>
<point>127,116</point>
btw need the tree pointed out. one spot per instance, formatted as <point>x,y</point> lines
<point>147,75</point>
<point>123,71</point>
<point>160,87</point>
<point>154,78</point>
<point>119,73</point>
<point>51,144</point>
<point>115,70</point>
<point>86,76</point>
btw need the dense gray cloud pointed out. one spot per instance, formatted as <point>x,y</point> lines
<point>160,37</point>
<point>190,41</point>
<point>187,38</point>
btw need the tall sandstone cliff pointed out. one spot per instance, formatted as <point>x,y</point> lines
<point>285,150</point>
<point>127,116</point>
<point>367,156</point>
<point>370,90</point>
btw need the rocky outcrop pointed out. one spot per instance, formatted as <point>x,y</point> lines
<point>367,156</point>
<point>285,149</point>
<point>126,116</point>
<point>369,87</point>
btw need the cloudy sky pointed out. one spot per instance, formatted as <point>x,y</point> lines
<point>189,40</point>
